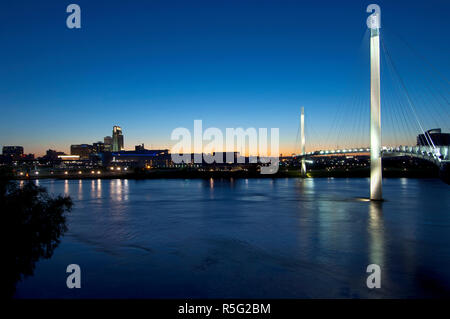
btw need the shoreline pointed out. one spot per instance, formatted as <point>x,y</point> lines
<point>182,174</point>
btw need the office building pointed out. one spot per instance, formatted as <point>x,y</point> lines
<point>117,139</point>
<point>98,147</point>
<point>82,150</point>
<point>107,141</point>
<point>434,136</point>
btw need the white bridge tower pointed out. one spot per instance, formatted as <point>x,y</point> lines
<point>376,171</point>
<point>302,141</point>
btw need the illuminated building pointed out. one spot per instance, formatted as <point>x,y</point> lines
<point>69,157</point>
<point>140,158</point>
<point>99,147</point>
<point>83,150</point>
<point>108,141</point>
<point>117,139</point>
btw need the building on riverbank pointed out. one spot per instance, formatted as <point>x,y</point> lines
<point>433,137</point>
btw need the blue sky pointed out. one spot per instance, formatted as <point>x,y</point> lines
<point>152,66</point>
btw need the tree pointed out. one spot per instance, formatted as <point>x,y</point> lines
<point>33,222</point>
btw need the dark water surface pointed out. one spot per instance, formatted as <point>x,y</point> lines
<point>257,238</point>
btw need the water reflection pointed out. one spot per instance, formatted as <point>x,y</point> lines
<point>304,187</point>
<point>126,190</point>
<point>33,230</point>
<point>118,189</point>
<point>80,189</point>
<point>93,188</point>
<point>376,233</point>
<point>304,237</point>
<point>99,188</point>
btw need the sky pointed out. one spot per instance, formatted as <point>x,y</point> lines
<point>152,66</point>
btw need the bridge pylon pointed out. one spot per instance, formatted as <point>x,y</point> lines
<point>302,141</point>
<point>376,170</point>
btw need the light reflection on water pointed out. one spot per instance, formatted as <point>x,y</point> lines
<point>375,229</point>
<point>250,238</point>
<point>80,189</point>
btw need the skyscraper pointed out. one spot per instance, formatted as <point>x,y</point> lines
<point>117,139</point>
<point>108,143</point>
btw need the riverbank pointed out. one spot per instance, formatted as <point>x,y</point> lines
<point>196,174</point>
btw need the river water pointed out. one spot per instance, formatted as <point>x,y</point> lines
<point>249,238</point>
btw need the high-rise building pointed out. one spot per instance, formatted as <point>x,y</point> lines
<point>99,147</point>
<point>108,141</point>
<point>83,150</point>
<point>117,139</point>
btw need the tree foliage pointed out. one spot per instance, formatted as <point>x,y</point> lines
<point>33,222</point>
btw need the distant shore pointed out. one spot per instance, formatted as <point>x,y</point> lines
<point>195,174</point>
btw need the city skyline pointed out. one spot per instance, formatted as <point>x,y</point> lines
<point>254,67</point>
<point>230,156</point>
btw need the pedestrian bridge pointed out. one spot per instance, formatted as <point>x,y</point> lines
<point>409,110</point>
<point>438,155</point>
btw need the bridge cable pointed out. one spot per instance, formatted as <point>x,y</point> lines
<point>429,85</point>
<point>406,92</point>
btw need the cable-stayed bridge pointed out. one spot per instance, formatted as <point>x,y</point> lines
<point>439,155</point>
<point>409,110</point>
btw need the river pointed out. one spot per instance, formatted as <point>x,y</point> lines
<point>248,238</point>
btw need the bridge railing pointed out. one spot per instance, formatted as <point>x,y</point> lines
<point>435,153</point>
<point>440,153</point>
